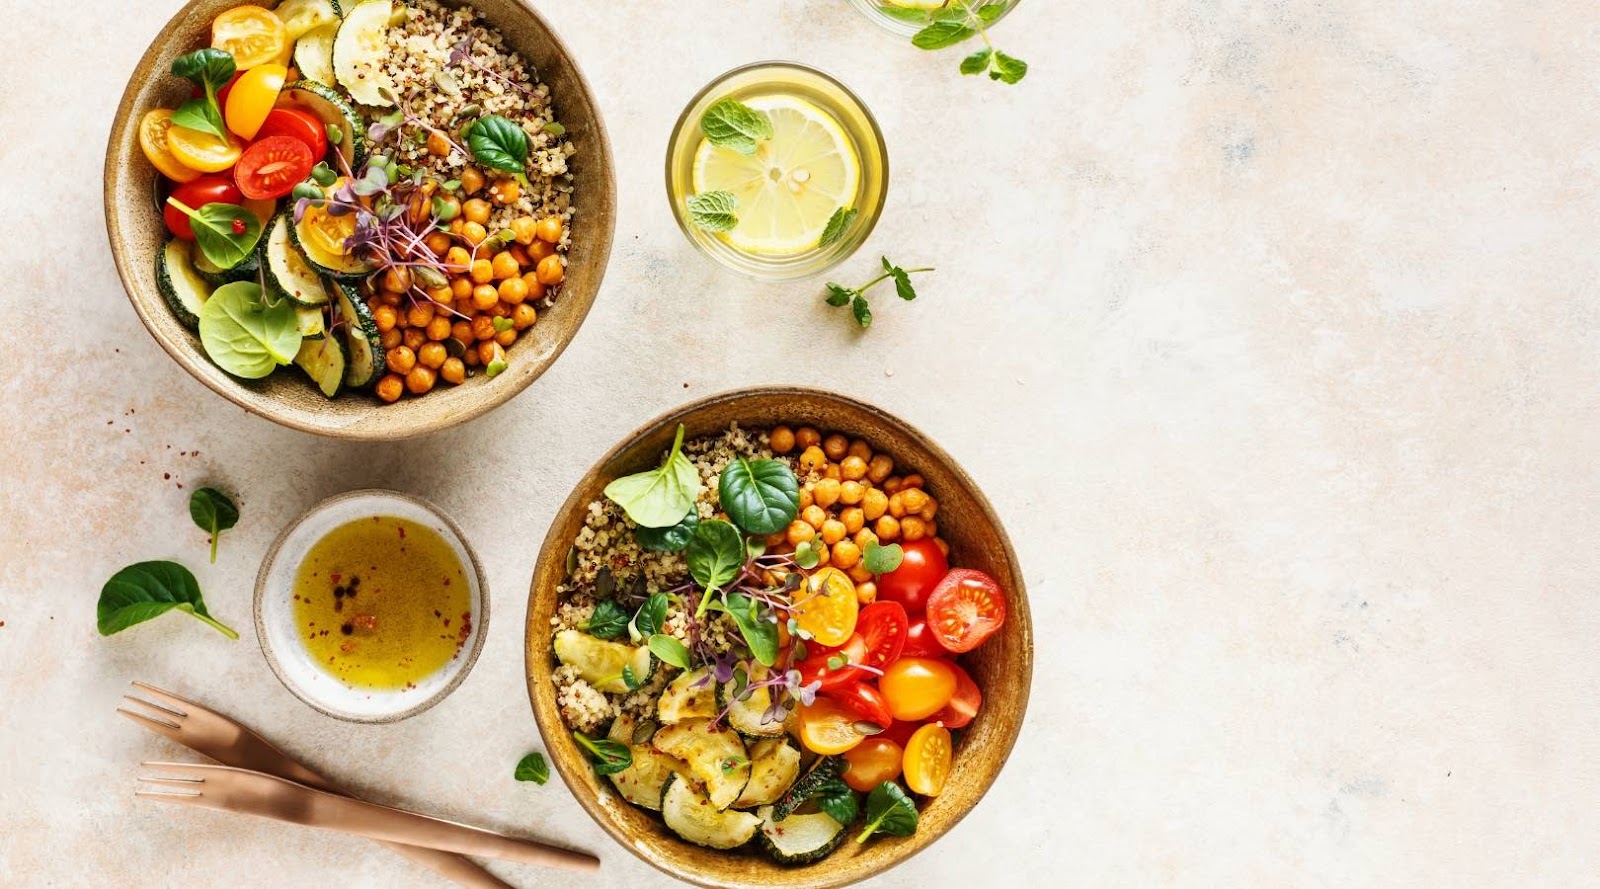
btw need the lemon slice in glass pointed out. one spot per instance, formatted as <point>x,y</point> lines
<point>794,182</point>
<point>917,4</point>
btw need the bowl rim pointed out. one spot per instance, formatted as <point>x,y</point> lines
<point>531,666</point>
<point>496,396</point>
<point>480,634</point>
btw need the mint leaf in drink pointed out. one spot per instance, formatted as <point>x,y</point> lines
<point>838,224</point>
<point>713,211</point>
<point>736,126</point>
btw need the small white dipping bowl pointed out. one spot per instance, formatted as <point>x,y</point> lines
<point>280,641</point>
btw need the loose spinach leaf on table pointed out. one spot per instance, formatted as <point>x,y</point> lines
<point>660,497</point>
<point>609,757</point>
<point>533,768</point>
<point>608,621</point>
<point>147,590</point>
<point>760,496</point>
<point>214,513</point>
<point>889,811</point>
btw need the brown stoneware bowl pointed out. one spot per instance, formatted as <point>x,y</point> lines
<point>1002,667</point>
<point>133,222</point>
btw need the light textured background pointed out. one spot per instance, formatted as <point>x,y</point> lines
<point>1271,328</point>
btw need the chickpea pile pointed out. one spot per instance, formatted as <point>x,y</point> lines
<point>490,278</point>
<point>850,496</point>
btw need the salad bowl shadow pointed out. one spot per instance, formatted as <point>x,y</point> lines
<point>288,397</point>
<point>1002,666</point>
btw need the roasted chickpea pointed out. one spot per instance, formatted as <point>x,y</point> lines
<point>799,532</point>
<point>438,328</point>
<point>836,446</point>
<point>390,388</point>
<point>505,191</point>
<point>525,228</point>
<point>832,531</point>
<point>401,359</point>
<point>808,494</point>
<point>827,493</point>
<point>462,331</point>
<point>812,459</point>
<point>897,504</point>
<point>461,288</point>
<point>438,243</point>
<point>832,471</point>
<point>535,289</point>
<point>781,440</point>
<point>450,208</point>
<point>854,519</point>
<point>513,291</point>
<point>482,271</point>
<point>911,481</point>
<point>551,271</point>
<point>390,299</point>
<point>476,210</point>
<point>484,297</point>
<point>420,380</point>
<point>385,317</point>
<point>506,337</point>
<point>474,233</point>
<point>851,492</point>
<point>845,553</point>
<point>853,468</point>
<point>523,316</point>
<point>482,328</point>
<point>887,528</point>
<point>864,537</point>
<point>441,295</point>
<point>432,355</point>
<point>471,180</point>
<point>413,338</point>
<point>470,359</point>
<point>438,145</point>
<point>499,310</point>
<point>807,436</point>
<point>912,528</point>
<point>814,516</point>
<point>504,266</point>
<point>453,371</point>
<point>458,258</point>
<point>395,279</point>
<point>421,314</point>
<point>824,555</point>
<point>859,573</point>
<point>550,229</point>
<point>874,503</point>
<point>516,252</point>
<point>390,338</point>
<point>913,499</point>
<point>539,248</point>
<point>860,448</point>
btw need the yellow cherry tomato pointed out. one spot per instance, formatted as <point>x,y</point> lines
<point>203,151</point>
<point>153,128</point>
<point>324,230</point>
<point>927,759</point>
<point>827,610</point>
<point>828,727</point>
<point>251,98</point>
<point>917,687</point>
<point>252,35</point>
<point>262,208</point>
<point>872,762</point>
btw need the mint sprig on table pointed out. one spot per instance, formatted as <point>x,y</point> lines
<point>856,298</point>
<point>956,22</point>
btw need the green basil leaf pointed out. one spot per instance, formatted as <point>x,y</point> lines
<point>244,335</point>
<point>880,559</point>
<point>715,554</point>
<point>759,633</point>
<point>760,496</point>
<point>498,143</point>
<point>670,650</point>
<point>839,296</point>
<point>660,497</point>
<point>838,224</point>
<point>609,757</point>
<point>202,114</point>
<point>941,34</point>
<point>889,811</point>
<point>214,513</point>
<point>145,590</point>
<point>652,616</point>
<point>861,311</point>
<point>668,540</point>
<point>713,211</point>
<point>608,621</point>
<point>533,768</point>
<point>978,62</point>
<point>734,125</point>
<point>1008,69</point>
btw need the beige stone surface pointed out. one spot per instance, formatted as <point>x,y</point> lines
<point>1271,328</point>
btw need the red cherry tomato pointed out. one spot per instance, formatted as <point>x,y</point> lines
<point>963,704</point>
<point>272,167</point>
<point>815,667</point>
<point>209,189</point>
<point>921,568</point>
<point>296,123</point>
<point>920,641</point>
<point>865,701</point>
<point>901,731</point>
<point>883,626</point>
<point>965,609</point>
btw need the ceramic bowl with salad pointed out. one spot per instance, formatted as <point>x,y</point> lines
<point>371,218</point>
<point>778,638</point>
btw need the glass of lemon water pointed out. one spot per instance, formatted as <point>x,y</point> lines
<point>907,17</point>
<point>795,199</point>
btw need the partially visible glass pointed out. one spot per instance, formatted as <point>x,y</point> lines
<point>756,83</point>
<point>907,17</point>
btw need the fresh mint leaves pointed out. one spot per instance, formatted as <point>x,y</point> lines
<point>838,224</point>
<point>713,211</point>
<point>958,21</point>
<point>736,126</point>
<point>855,297</point>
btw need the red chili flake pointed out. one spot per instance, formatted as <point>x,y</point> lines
<point>402,531</point>
<point>335,577</point>
<point>238,226</point>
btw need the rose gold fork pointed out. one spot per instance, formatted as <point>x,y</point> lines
<point>209,733</point>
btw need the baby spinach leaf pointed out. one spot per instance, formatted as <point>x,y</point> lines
<point>202,114</point>
<point>609,757</point>
<point>734,125</point>
<point>498,143</point>
<point>533,768</point>
<point>668,540</point>
<point>715,554</point>
<point>244,335</point>
<point>670,650</point>
<point>760,633</point>
<point>713,211</point>
<point>652,615</point>
<point>760,496</point>
<point>226,233</point>
<point>837,799</point>
<point>214,513</point>
<point>889,811</point>
<point>660,497</point>
<point>629,679</point>
<point>880,559</point>
<point>209,69</point>
<point>607,622</point>
<point>145,590</point>
<point>838,224</point>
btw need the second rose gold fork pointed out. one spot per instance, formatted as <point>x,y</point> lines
<point>211,734</point>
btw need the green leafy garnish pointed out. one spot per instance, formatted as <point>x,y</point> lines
<point>555,128</point>
<point>499,144</point>
<point>713,211</point>
<point>734,125</point>
<point>533,768</point>
<point>608,621</point>
<point>225,233</point>
<point>806,555</point>
<point>209,69</point>
<point>628,678</point>
<point>609,757</point>
<point>715,556</point>
<point>958,21</point>
<point>880,559</point>
<point>889,811</point>
<point>668,540</point>
<point>760,496</point>
<point>838,224</point>
<point>856,297</point>
<point>670,650</point>
<point>660,497</point>
<point>214,513</point>
<point>759,632</point>
<point>246,335</point>
<point>146,590</point>
<point>837,799</point>
<point>652,615</point>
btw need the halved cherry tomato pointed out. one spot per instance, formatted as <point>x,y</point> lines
<point>963,704</point>
<point>326,231</point>
<point>883,625</point>
<point>922,565</point>
<point>865,701</point>
<point>209,189</point>
<point>203,151</point>
<point>297,123</point>
<point>927,760</point>
<point>816,667</point>
<point>251,99</point>
<point>272,167</point>
<point>900,732</point>
<point>920,641</point>
<point>872,762</point>
<point>828,728</point>
<point>153,129</point>
<point>827,607</point>
<point>917,687</point>
<point>965,609</point>
<point>251,34</point>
